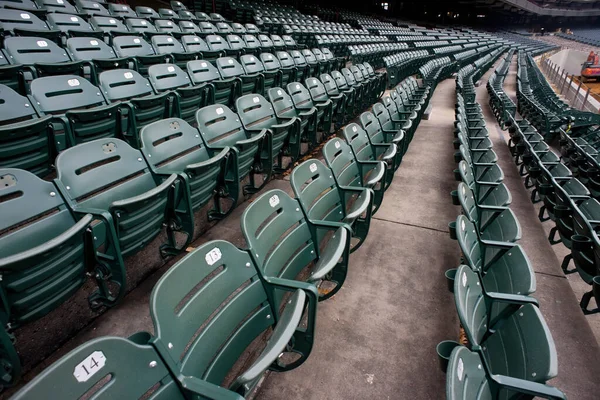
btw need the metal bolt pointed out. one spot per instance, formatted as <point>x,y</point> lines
<point>149,155</point>
<point>170,345</point>
<point>52,194</point>
<point>140,159</point>
<point>152,364</point>
<point>68,187</point>
<point>269,316</point>
<point>26,105</point>
<point>248,264</point>
<point>95,238</point>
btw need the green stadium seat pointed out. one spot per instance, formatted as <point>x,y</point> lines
<point>72,25</point>
<point>220,322</point>
<point>165,44</point>
<point>303,102</point>
<point>219,90</point>
<point>121,10</point>
<point>91,8</point>
<point>252,65</point>
<point>324,202</point>
<point>303,70</point>
<point>350,172</point>
<point>486,193</point>
<point>288,68</point>
<point>319,95</point>
<point>333,92</point>
<point>229,67</point>
<point>110,180</point>
<point>137,100</point>
<point>96,54</point>
<point>146,12</point>
<point>138,49</point>
<point>220,127</point>
<point>24,23</point>
<point>111,26</point>
<point>378,136</point>
<point>272,70</point>
<point>257,114</point>
<point>172,146</point>
<point>343,86</point>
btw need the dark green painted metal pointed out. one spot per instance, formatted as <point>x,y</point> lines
<point>219,90</point>
<point>166,44</point>
<point>138,49</point>
<point>319,95</point>
<point>486,193</point>
<point>285,109</point>
<point>378,138</point>
<point>229,67</point>
<point>219,128</point>
<point>288,68</point>
<point>201,337</point>
<point>323,201</point>
<point>283,243</point>
<point>257,114</point>
<point>348,171</point>
<point>303,102</point>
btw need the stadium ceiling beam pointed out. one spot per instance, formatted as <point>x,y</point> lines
<point>551,12</point>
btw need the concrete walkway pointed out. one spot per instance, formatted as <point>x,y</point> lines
<point>578,352</point>
<point>376,338</point>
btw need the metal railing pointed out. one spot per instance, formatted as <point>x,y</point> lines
<point>578,94</point>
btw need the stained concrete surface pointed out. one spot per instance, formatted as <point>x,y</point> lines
<point>376,338</point>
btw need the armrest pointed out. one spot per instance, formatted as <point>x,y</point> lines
<point>207,389</point>
<point>277,343</point>
<point>153,192</point>
<point>358,207</point>
<point>512,298</point>
<point>498,244</point>
<point>320,224</point>
<point>335,249</point>
<point>50,244</point>
<point>255,138</point>
<point>528,387</point>
<point>213,160</point>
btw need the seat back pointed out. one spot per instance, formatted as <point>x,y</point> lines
<point>91,7</point>
<point>315,188</point>
<point>121,10</point>
<point>316,89</point>
<point>165,44</point>
<point>270,62</point>
<point>251,28</point>
<point>30,50</point>
<point>309,56</point>
<point>124,84</point>
<point>87,49</point>
<point>223,28</point>
<point>340,80</point>
<point>178,6</point>
<point>167,13</point>
<point>229,67</point>
<point>194,44</point>
<point>146,12</point>
<point>139,25</point>
<point>20,19</point>
<point>383,116</point>
<point>300,95</point>
<point>251,64</point>
<point>358,140</point>
<point>467,202</point>
<point>216,43</point>
<point>282,103</point>
<point>265,42</point>
<point>285,59</point>
<point>166,26</point>
<point>251,41</point>
<point>219,126</point>
<point>340,159</point>
<point>59,94</point>
<point>298,58</point>
<point>469,242</point>
<point>349,76</point>
<point>201,71</point>
<point>278,235</point>
<point>14,107</point>
<point>133,370</point>
<point>372,127</point>
<point>202,320</point>
<point>278,42</point>
<point>329,84</point>
<point>107,24</point>
<point>255,112</point>
<point>56,6</point>
<point>165,77</point>
<point>188,27</point>
<point>207,28</point>
<point>132,46</point>
<point>67,22</point>
<point>235,42</point>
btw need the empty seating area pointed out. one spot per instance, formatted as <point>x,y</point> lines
<point>589,37</point>
<point>206,201</point>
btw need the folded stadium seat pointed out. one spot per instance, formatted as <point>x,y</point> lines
<point>26,139</point>
<point>91,8</point>
<point>207,28</point>
<point>41,233</point>
<point>229,67</point>
<point>216,17</point>
<point>252,65</point>
<point>477,158</point>
<point>303,70</point>
<point>146,12</point>
<point>218,90</point>
<point>24,23</point>
<point>486,193</point>
<point>223,28</point>
<point>313,63</point>
<point>238,28</point>
<point>392,131</point>
<point>362,89</point>
<point>231,45</point>
<point>139,50</point>
<point>71,25</point>
<point>138,102</point>
<point>303,101</point>
<point>381,78</point>
<point>202,16</point>
<point>167,13</point>
<point>319,95</point>
<point>142,26</point>
<point>109,179</point>
<point>502,266</point>
<point>377,135</point>
<point>288,67</point>
<point>323,200</point>
<point>121,10</point>
<point>80,111</point>
<point>128,359</point>
<point>172,146</point>
<point>55,6</point>
<point>368,84</point>
<point>252,44</point>
<point>492,223</point>
<point>350,172</point>
<point>110,26</point>
<point>349,91</point>
<point>215,350</point>
<point>96,54</point>
<point>216,47</point>
<point>187,98</point>
<point>418,104</point>
<point>186,15</point>
<point>324,63</point>
<point>165,44</point>
<point>252,29</point>
<point>375,82</point>
<point>515,348</point>
<point>177,5</point>
<point>334,62</point>
<point>466,379</point>
<point>194,44</point>
<point>290,43</point>
<point>220,127</point>
<point>281,252</point>
<point>168,27</point>
<point>278,43</point>
<point>407,120</point>
<point>333,92</point>
<point>284,108</point>
<point>364,150</point>
<point>40,57</point>
<point>266,44</point>
<point>283,135</point>
<point>272,70</point>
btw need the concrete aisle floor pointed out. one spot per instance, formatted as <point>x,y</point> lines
<point>376,338</point>
<point>578,352</point>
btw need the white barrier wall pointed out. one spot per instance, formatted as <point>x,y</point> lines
<point>570,60</point>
